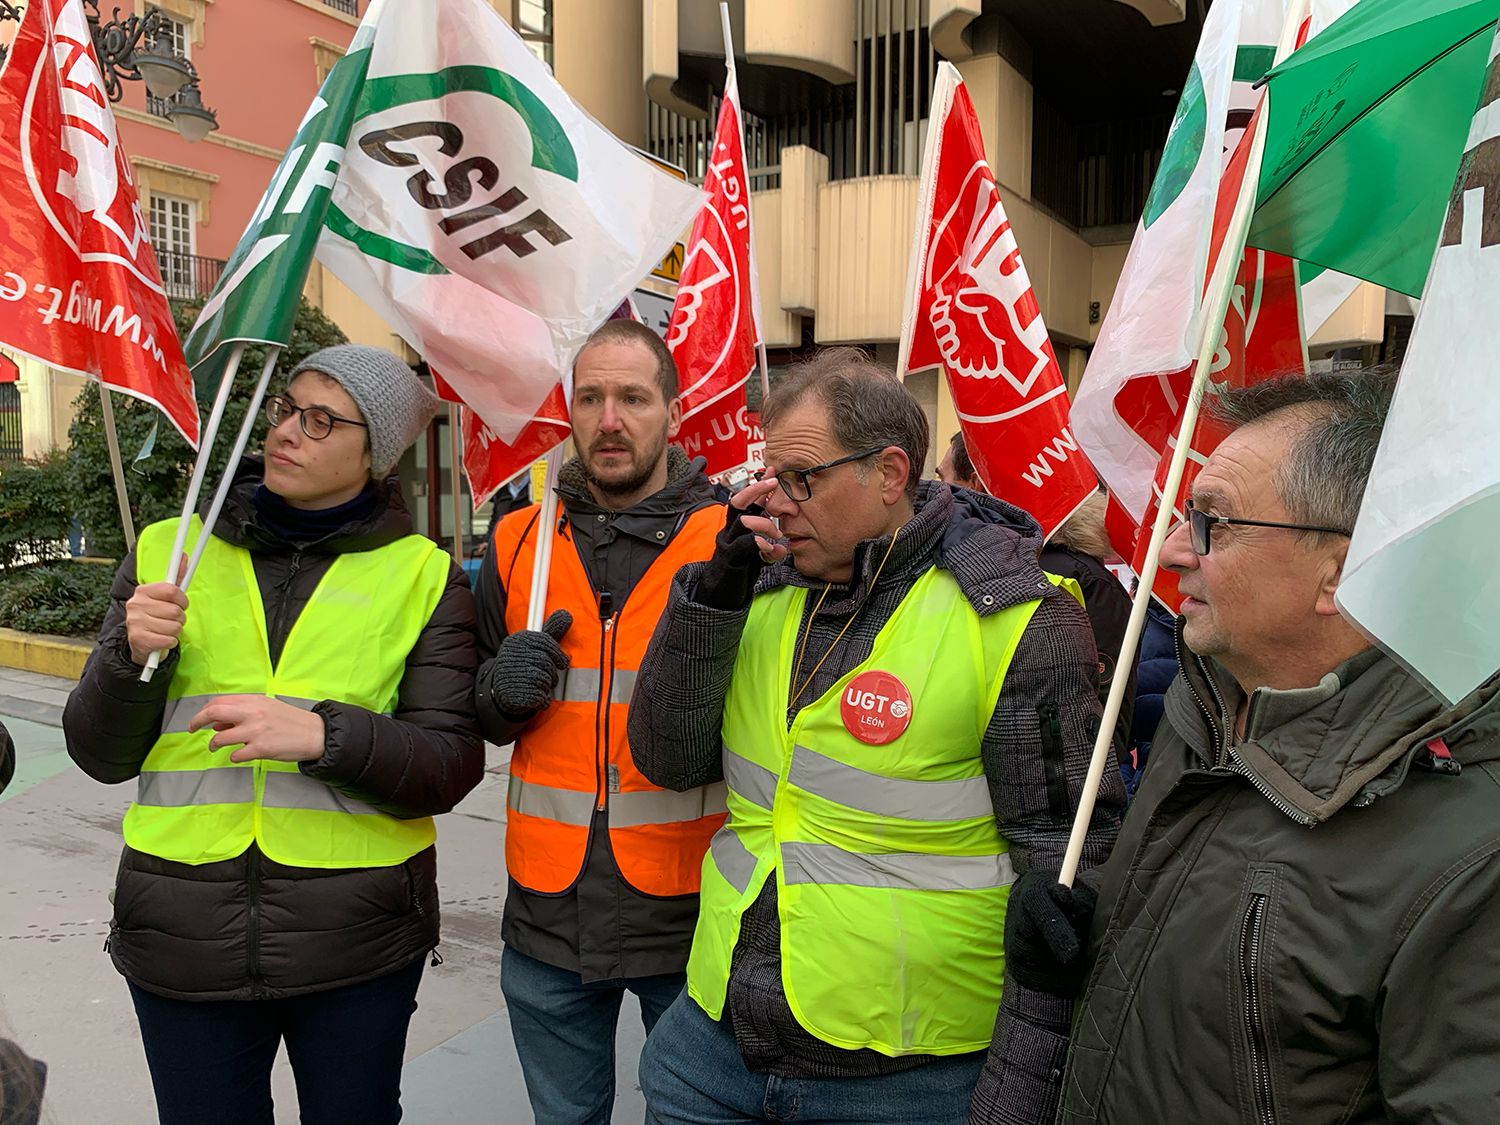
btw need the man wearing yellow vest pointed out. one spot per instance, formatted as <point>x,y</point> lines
<point>604,866</point>
<point>902,706</point>
<point>313,714</point>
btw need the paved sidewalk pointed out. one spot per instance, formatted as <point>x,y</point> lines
<point>30,695</point>
<point>59,995</point>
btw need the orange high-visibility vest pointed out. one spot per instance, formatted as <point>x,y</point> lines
<point>573,759</point>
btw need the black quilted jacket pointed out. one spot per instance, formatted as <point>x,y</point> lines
<point>250,928</point>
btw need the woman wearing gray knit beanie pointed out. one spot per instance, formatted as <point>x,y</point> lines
<point>279,878</point>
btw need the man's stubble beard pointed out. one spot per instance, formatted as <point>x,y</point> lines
<point>644,468</point>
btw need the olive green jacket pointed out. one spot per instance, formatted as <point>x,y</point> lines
<point>1302,925</point>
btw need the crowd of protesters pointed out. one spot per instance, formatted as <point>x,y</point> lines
<point>797,768</point>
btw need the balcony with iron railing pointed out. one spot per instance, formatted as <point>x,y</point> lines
<point>188,277</point>
<point>349,7</point>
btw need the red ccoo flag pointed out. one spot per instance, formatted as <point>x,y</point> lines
<point>715,323</point>
<point>79,284</point>
<point>970,310</point>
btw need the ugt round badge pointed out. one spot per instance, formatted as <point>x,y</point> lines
<point>876,708</point>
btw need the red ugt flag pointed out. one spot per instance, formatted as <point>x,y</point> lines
<point>715,323</point>
<point>971,311</point>
<point>79,284</point>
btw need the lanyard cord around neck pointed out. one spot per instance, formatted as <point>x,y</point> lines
<point>807,632</point>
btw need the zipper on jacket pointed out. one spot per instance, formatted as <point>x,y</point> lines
<point>1252,941</point>
<point>1220,739</point>
<point>601,706</point>
<point>1053,768</point>
<point>252,924</point>
<point>281,606</point>
<point>1237,765</point>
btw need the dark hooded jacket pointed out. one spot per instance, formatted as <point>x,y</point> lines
<point>1035,753</point>
<point>249,928</point>
<point>1299,925</point>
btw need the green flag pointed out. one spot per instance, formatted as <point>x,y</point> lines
<point>255,299</point>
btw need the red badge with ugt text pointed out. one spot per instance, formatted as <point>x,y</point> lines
<point>876,707</point>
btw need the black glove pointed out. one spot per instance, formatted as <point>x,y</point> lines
<point>526,669</point>
<point>728,581</point>
<point>1046,929</point>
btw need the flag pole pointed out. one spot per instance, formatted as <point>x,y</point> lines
<point>200,470</point>
<point>116,466</point>
<point>206,438</point>
<point>455,455</point>
<point>241,441</point>
<point>942,96</point>
<point>760,333</point>
<point>1220,289</point>
<point>541,565</point>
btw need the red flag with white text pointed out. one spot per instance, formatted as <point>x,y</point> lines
<point>715,323</point>
<point>971,311</point>
<point>79,284</point>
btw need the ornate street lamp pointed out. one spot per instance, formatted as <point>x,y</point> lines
<point>123,58</point>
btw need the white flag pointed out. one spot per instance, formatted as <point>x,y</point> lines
<point>485,216</point>
<point>1422,576</point>
<point>1151,332</point>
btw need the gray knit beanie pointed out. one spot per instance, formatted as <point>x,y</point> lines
<point>390,396</point>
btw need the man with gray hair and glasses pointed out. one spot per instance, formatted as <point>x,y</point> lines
<point>1298,921</point>
<point>901,706</point>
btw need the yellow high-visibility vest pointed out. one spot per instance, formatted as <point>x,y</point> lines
<point>349,644</point>
<point>891,875</point>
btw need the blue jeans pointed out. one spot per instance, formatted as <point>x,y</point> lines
<point>565,1034</point>
<point>692,1074</point>
<point>211,1061</point>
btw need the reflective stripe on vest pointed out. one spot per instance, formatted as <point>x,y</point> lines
<point>572,761</point>
<point>196,806</point>
<point>891,876</point>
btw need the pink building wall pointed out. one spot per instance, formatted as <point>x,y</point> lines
<point>257,70</point>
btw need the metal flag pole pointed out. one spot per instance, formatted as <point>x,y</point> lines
<point>942,98</point>
<point>1220,289</point>
<point>455,456</point>
<point>116,466</point>
<point>760,335</point>
<point>200,470</point>
<point>241,442</point>
<point>542,564</point>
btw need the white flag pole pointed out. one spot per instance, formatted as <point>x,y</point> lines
<point>1221,288</point>
<point>542,564</point>
<point>942,100</point>
<point>241,442</point>
<point>455,456</point>
<point>760,334</point>
<point>206,438</point>
<point>116,466</point>
<point>200,470</point>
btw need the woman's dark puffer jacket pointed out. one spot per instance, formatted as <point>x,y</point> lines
<point>249,928</point>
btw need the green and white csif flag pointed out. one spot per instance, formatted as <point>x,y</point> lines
<point>255,299</point>
<point>455,187</point>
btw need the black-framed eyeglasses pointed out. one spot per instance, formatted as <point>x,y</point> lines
<point>1201,525</point>
<point>316,422</point>
<point>797,483</point>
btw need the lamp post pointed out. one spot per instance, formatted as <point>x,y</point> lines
<point>139,49</point>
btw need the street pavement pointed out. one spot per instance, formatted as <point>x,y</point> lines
<point>61,998</point>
